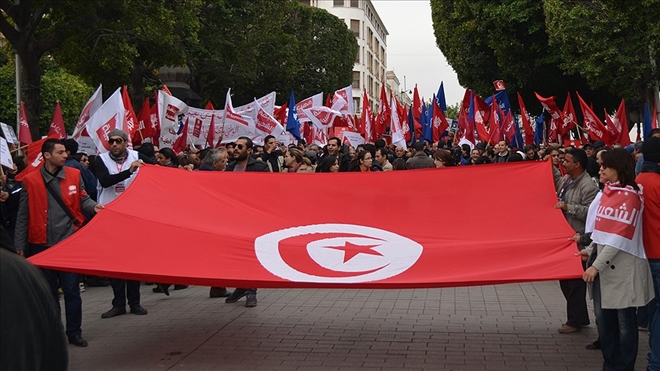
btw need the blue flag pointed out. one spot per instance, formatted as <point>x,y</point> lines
<point>424,120</point>
<point>428,130</point>
<point>440,97</point>
<point>292,122</point>
<point>502,100</point>
<point>538,133</point>
<point>648,126</point>
<point>411,123</point>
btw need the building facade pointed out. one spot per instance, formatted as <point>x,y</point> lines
<point>370,66</point>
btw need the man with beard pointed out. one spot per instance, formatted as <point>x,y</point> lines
<point>243,161</point>
<point>272,156</point>
<point>115,171</point>
<point>334,149</point>
<point>52,207</point>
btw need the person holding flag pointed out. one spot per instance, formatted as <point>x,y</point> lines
<point>116,170</point>
<point>52,207</point>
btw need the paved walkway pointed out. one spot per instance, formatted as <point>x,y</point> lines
<point>505,327</point>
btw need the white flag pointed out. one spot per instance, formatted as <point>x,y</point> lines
<point>235,125</point>
<point>266,124</point>
<point>108,117</point>
<point>313,101</point>
<point>321,116</point>
<point>92,105</point>
<point>347,95</point>
<point>171,112</point>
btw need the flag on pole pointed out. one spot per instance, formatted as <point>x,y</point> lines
<point>346,107</point>
<point>24,135</point>
<point>130,124</point>
<point>210,136</point>
<point>465,129</point>
<point>182,141</point>
<point>365,120</point>
<point>57,123</point>
<point>527,125</point>
<point>592,123</point>
<point>555,114</point>
<point>622,120</point>
<point>439,121</point>
<point>442,101</point>
<point>34,157</point>
<point>570,121</point>
<point>417,104</point>
<point>144,129</point>
<point>92,105</point>
<point>265,123</point>
<point>108,117</point>
<point>313,101</point>
<point>292,122</point>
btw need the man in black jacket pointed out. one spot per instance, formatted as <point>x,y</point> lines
<point>243,161</point>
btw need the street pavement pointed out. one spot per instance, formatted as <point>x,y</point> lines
<point>503,327</point>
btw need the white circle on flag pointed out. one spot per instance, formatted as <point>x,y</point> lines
<point>365,254</point>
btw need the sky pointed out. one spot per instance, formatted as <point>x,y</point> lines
<point>412,52</point>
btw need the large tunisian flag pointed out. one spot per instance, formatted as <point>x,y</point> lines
<point>192,229</point>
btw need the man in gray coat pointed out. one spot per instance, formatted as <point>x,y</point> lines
<point>420,160</point>
<point>575,191</point>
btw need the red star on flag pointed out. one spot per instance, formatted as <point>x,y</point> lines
<point>351,250</point>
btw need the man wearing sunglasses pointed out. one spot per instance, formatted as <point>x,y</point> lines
<point>116,170</point>
<point>243,161</point>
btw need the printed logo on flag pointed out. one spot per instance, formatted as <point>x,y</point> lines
<point>106,128</point>
<point>336,253</point>
<point>618,213</point>
<point>170,113</point>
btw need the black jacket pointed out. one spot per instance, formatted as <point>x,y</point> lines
<point>252,165</point>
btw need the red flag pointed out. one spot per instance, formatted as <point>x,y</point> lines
<point>592,123</point>
<point>182,141</point>
<point>328,100</point>
<point>570,121</point>
<point>622,118</point>
<point>465,129</point>
<point>384,113</point>
<point>57,123</point>
<point>499,85</point>
<point>34,158</point>
<point>495,123</point>
<point>210,136</point>
<point>481,117</point>
<point>509,127</point>
<point>439,121</point>
<point>613,131</point>
<point>366,124</point>
<point>24,136</point>
<point>527,125</point>
<point>556,116</point>
<point>130,120</point>
<point>144,129</point>
<point>155,123</point>
<point>320,249</point>
<point>281,113</point>
<point>654,119</point>
<point>417,104</point>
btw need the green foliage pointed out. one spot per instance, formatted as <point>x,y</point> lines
<point>264,45</point>
<point>608,42</point>
<point>452,110</point>
<point>57,84</point>
<point>486,41</point>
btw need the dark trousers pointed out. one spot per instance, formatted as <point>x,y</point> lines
<point>124,289</point>
<point>72,300</point>
<point>617,332</point>
<point>575,292</point>
<point>246,291</point>
<point>70,284</point>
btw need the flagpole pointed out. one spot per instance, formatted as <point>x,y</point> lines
<point>19,148</point>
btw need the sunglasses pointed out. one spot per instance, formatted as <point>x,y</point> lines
<point>240,146</point>
<point>112,141</point>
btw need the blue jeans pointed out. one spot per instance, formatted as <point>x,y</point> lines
<point>654,323</point>
<point>617,332</point>
<point>72,300</point>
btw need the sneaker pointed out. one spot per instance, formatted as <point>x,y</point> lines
<point>82,287</point>
<point>114,312</point>
<point>566,329</point>
<point>139,310</point>
<point>237,294</point>
<point>251,300</point>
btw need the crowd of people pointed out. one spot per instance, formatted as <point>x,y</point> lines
<point>621,253</point>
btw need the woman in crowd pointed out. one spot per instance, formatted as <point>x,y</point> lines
<point>619,278</point>
<point>362,162</point>
<point>328,164</point>
<point>443,158</point>
<point>296,162</point>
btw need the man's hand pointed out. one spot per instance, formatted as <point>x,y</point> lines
<point>98,208</point>
<point>575,238</point>
<point>561,205</point>
<point>20,253</point>
<point>590,274</point>
<point>583,254</point>
<point>135,165</point>
<point>4,196</point>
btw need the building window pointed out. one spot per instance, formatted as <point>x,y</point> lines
<point>357,55</point>
<point>355,27</point>
<point>338,3</point>
<point>355,4</point>
<point>356,80</point>
<point>356,104</point>
<point>306,2</point>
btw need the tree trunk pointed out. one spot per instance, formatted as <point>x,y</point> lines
<point>137,83</point>
<point>31,89</point>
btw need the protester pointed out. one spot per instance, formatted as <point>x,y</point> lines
<point>272,155</point>
<point>381,159</point>
<point>295,162</point>
<point>362,162</point>
<point>420,160</point>
<point>243,161</point>
<point>166,157</point>
<point>443,158</point>
<point>575,191</point>
<point>53,200</point>
<point>328,164</point>
<point>116,171</point>
<point>620,274</point>
<point>649,180</point>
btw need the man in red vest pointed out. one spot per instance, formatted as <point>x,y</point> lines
<point>52,206</point>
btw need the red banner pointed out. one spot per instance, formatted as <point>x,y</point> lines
<point>168,231</point>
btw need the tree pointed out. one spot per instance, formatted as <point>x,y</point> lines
<point>506,40</point>
<point>612,44</point>
<point>264,45</point>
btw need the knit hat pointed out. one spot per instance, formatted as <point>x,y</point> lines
<point>651,149</point>
<point>118,133</point>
